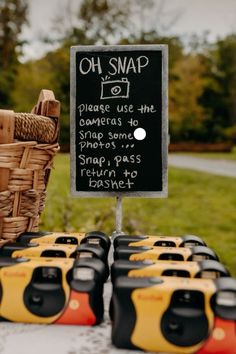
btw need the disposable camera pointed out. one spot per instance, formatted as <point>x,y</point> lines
<point>161,241</point>
<point>52,290</point>
<point>69,238</point>
<point>115,88</point>
<point>207,269</point>
<point>29,250</point>
<point>175,315</point>
<point>197,253</point>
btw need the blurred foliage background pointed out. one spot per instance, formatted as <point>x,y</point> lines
<point>202,74</point>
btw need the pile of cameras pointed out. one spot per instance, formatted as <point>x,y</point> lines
<point>170,294</point>
<point>54,278</point>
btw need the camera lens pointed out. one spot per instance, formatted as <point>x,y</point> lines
<point>185,323</point>
<point>116,90</point>
<point>174,326</point>
<point>36,300</point>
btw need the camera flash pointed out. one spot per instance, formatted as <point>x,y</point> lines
<point>85,255</point>
<point>94,241</point>
<point>226,298</point>
<point>83,274</point>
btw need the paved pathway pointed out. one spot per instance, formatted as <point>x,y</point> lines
<point>217,167</point>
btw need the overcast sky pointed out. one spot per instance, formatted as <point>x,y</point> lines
<point>216,16</point>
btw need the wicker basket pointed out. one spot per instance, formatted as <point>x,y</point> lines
<point>28,143</point>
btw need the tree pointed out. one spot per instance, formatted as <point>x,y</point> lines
<point>51,72</point>
<point>13,15</point>
<point>187,116</point>
<point>104,21</point>
<point>110,21</point>
<point>219,96</point>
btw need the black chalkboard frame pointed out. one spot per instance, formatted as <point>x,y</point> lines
<point>163,193</point>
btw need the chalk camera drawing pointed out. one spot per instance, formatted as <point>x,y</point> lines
<point>115,88</point>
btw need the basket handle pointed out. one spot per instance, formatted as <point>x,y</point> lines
<point>47,105</point>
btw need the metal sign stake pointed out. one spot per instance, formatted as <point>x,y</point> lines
<point>118,215</point>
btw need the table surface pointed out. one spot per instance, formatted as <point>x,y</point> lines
<point>60,339</point>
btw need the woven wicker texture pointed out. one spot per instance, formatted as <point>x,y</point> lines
<point>24,200</point>
<point>25,165</point>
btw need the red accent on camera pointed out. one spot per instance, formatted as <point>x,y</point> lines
<point>222,339</point>
<point>78,311</point>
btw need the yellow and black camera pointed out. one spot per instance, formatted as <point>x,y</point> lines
<point>207,269</point>
<point>52,290</point>
<point>160,241</point>
<point>175,315</point>
<point>68,238</point>
<point>197,253</point>
<point>17,249</point>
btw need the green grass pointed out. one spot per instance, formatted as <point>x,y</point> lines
<point>198,203</point>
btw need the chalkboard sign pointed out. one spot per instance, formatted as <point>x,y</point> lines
<point>119,123</point>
